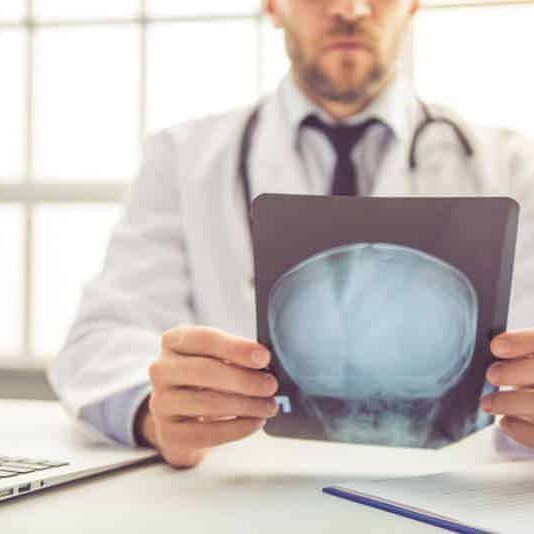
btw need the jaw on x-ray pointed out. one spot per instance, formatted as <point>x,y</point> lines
<point>374,335</point>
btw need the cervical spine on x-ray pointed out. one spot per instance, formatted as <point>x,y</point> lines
<point>373,320</point>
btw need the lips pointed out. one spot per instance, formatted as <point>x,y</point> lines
<point>348,45</point>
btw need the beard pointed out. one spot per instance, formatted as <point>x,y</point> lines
<point>348,85</point>
<point>324,86</point>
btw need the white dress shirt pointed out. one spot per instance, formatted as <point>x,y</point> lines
<point>392,108</point>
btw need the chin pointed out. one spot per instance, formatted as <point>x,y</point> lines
<point>346,90</point>
<point>347,78</point>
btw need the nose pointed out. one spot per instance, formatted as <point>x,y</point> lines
<point>349,9</point>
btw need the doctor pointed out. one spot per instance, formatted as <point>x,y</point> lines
<point>134,366</point>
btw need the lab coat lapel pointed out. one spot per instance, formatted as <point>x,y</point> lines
<point>443,169</point>
<point>440,172</point>
<point>442,166</point>
<point>393,177</point>
<point>275,165</point>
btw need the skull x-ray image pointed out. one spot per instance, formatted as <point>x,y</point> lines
<point>382,330</point>
<point>379,311</point>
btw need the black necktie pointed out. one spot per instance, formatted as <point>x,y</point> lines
<point>344,139</point>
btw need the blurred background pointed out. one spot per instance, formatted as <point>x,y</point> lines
<point>82,82</point>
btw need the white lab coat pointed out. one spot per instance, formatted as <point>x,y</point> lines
<point>182,251</point>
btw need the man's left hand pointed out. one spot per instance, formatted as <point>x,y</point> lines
<point>515,369</point>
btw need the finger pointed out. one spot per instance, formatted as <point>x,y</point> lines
<point>518,372</point>
<point>518,403</point>
<point>518,429</point>
<point>197,435</point>
<point>215,343</point>
<point>184,458</point>
<point>174,402</point>
<point>212,374</point>
<point>513,344</point>
<point>527,418</point>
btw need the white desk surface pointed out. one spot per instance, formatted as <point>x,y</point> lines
<point>259,485</point>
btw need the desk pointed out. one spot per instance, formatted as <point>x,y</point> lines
<point>259,485</point>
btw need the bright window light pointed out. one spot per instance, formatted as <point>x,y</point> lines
<point>12,10</point>
<point>478,62</point>
<point>274,60</point>
<point>12,104</point>
<point>199,68</point>
<point>86,9</point>
<point>162,8</point>
<point>87,90</point>
<point>11,279</point>
<point>69,246</point>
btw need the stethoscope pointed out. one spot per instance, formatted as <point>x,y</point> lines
<point>251,125</point>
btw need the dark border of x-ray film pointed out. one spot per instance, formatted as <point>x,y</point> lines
<point>476,235</point>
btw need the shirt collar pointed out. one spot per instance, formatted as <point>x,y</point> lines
<point>396,107</point>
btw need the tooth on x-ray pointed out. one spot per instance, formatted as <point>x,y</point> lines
<point>374,320</point>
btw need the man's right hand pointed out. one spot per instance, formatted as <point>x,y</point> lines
<point>208,388</point>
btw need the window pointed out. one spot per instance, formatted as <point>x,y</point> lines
<point>477,61</point>
<point>84,82</point>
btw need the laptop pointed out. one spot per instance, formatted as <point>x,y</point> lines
<point>42,447</point>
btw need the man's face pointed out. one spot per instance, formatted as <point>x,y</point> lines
<point>336,54</point>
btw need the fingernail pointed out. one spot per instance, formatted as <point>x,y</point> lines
<point>274,407</point>
<point>494,372</point>
<point>485,404</point>
<point>501,347</point>
<point>271,383</point>
<point>260,357</point>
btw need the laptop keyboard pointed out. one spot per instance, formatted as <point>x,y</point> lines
<point>11,466</point>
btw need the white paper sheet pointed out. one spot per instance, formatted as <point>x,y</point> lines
<point>496,498</point>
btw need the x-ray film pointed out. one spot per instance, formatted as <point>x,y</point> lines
<point>379,312</point>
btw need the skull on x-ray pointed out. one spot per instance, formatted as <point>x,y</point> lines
<point>374,335</point>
